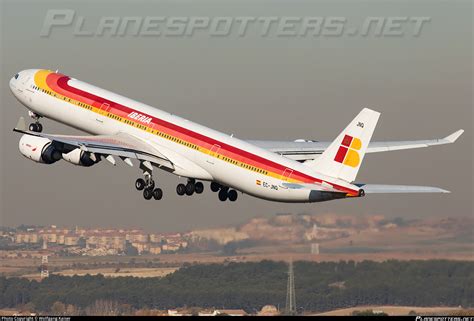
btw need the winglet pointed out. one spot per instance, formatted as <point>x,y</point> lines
<point>454,136</point>
<point>21,125</point>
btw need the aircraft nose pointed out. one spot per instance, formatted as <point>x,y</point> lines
<point>13,81</point>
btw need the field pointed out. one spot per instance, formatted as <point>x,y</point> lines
<point>394,310</point>
<point>161,265</point>
<point>113,272</point>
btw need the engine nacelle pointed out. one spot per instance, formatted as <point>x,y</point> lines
<point>38,149</point>
<point>80,158</point>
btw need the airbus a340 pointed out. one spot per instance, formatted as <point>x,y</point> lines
<point>299,171</point>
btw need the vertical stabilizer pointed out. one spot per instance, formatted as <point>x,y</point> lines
<point>342,159</point>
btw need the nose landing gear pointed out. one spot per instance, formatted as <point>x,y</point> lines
<point>36,126</point>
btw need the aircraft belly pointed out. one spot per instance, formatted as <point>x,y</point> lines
<point>254,184</point>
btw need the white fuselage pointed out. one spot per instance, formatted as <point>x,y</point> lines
<point>263,177</point>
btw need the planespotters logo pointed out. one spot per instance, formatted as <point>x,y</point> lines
<point>150,25</point>
<point>435,318</point>
<point>347,153</point>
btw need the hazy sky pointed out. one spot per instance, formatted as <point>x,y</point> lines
<point>256,88</point>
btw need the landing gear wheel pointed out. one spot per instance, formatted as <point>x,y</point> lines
<point>223,195</point>
<point>147,193</point>
<point>199,187</point>
<point>232,195</point>
<point>215,187</point>
<point>157,194</point>
<point>361,193</point>
<point>35,127</point>
<point>190,187</point>
<point>181,189</point>
<point>140,184</point>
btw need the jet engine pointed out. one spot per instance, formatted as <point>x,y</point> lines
<point>80,158</point>
<point>39,149</point>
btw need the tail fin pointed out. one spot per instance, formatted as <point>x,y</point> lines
<point>342,159</point>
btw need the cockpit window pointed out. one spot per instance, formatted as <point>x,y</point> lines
<point>16,76</point>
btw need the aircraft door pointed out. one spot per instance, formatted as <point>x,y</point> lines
<point>213,152</point>
<point>285,176</point>
<point>104,108</point>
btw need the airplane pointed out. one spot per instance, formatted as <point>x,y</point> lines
<point>301,171</point>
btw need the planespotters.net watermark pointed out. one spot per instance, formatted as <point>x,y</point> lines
<point>443,318</point>
<point>225,26</point>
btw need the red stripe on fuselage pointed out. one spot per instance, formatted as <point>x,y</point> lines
<point>59,83</point>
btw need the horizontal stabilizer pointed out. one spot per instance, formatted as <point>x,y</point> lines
<point>380,189</point>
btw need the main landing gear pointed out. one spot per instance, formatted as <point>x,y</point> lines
<point>147,185</point>
<point>224,193</point>
<point>190,188</point>
<point>36,126</point>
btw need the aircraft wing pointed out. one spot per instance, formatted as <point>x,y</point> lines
<point>121,145</point>
<point>308,150</point>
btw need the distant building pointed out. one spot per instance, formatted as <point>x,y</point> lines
<point>137,237</point>
<point>141,247</point>
<point>28,237</point>
<point>176,313</point>
<point>60,238</point>
<point>49,236</point>
<point>207,313</point>
<point>231,312</point>
<point>101,241</point>
<point>269,310</point>
<point>171,247</point>
<point>106,240</point>
<point>155,249</point>
<point>156,238</point>
<point>71,239</point>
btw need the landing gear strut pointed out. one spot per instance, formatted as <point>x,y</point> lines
<point>36,126</point>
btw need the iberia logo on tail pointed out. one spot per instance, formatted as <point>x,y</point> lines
<point>347,153</point>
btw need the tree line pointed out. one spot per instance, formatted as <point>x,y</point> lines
<point>320,286</point>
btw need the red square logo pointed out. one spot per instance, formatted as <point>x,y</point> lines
<point>341,153</point>
<point>347,141</point>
